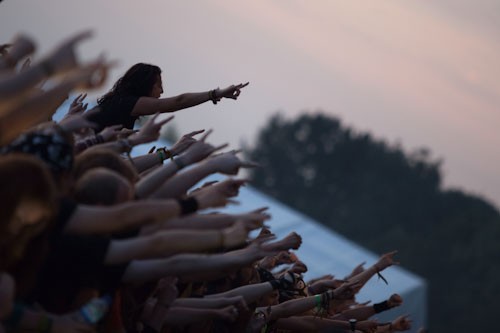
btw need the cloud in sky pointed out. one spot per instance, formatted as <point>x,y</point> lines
<point>419,72</point>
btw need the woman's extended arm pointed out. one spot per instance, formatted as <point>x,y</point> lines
<point>151,105</point>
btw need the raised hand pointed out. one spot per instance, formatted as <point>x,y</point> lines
<point>357,270</point>
<point>125,133</point>
<point>111,133</point>
<point>229,164</point>
<point>90,76</point>
<point>386,260</point>
<point>298,268</point>
<point>199,150</point>
<point>76,123</point>
<point>346,290</point>
<point>291,241</point>
<point>184,142</point>
<point>63,58</point>
<point>394,300</point>
<point>19,48</point>
<point>233,91</point>
<point>167,291</point>
<point>284,257</point>
<point>229,313</point>
<point>77,106</point>
<point>218,195</point>
<point>235,235</point>
<point>4,49</point>
<point>150,131</point>
<point>254,218</point>
<point>402,323</point>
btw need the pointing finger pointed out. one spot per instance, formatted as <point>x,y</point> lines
<point>204,137</point>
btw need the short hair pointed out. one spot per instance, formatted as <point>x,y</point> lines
<point>96,157</point>
<point>99,186</point>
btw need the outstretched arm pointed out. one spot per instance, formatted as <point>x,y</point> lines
<point>151,105</point>
<point>132,215</point>
<point>188,266</point>
<point>41,107</point>
<point>167,243</point>
<point>386,260</point>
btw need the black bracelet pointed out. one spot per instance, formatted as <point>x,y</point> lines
<point>212,96</point>
<point>47,68</point>
<point>275,283</point>
<point>382,306</point>
<point>188,206</point>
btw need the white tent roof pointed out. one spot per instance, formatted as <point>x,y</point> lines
<point>326,252</point>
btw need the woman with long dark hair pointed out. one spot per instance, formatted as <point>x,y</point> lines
<point>137,93</point>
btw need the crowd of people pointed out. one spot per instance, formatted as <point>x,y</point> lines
<point>93,240</point>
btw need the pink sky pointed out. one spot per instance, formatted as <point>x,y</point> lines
<point>416,72</point>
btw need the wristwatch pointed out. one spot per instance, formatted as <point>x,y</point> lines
<point>352,323</point>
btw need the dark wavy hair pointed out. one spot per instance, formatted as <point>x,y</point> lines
<point>137,81</point>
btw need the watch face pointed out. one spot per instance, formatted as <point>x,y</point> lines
<point>352,323</point>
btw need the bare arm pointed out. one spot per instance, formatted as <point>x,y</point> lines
<point>187,266</point>
<point>126,216</point>
<point>293,307</point>
<point>130,215</point>
<point>183,181</point>
<point>193,221</point>
<point>386,260</point>
<point>151,182</point>
<point>41,107</point>
<point>365,312</point>
<point>145,162</point>
<point>182,316</point>
<point>207,302</point>
<point>250,293</point>
<point>309,323</point>
<point>149,105</point>
<point>164,244</point>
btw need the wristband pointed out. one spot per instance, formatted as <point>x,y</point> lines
<point>212,97</point>
<point>169,154</point>
<point>275,283</point>
<point>379,307</point>
<point>318,300</point>
<point>47,68</point>
<point>188,206</point>
<point>352,324</point>
<point>161,154</point>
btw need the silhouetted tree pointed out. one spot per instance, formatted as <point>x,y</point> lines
<point>385,198</point>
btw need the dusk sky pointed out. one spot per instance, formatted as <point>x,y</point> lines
<point>422,73</point>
